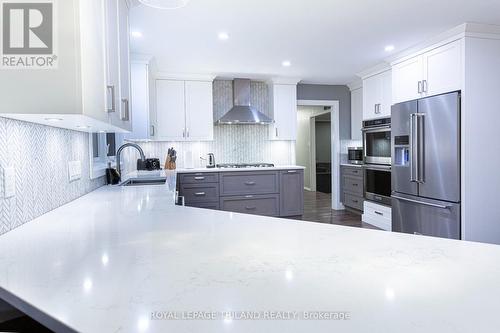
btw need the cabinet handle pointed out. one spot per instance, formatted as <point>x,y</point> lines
<point>250,208</point>
<point>424,86</point>
<point>152,130</point>
<point>355,201</point>
<point>292,171</point>
<point>113,105</point>
<point>419,87</point>
<point>183,132</point>
<point>354,184</point>
<point>199,178</point>
<point>248,196</point>
<point>379,213</point>
<point>249,183</point>
<point>276,128</point>
<point>199,194</point>
<point>125,116</point>
<point>187,132</point>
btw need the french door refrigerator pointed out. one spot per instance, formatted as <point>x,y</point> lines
<point>426,166</point>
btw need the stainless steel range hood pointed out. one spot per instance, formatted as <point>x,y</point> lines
<point>242,112</point>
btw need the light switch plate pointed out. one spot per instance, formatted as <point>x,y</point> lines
<point>74,170</point>
<point>9,182</point>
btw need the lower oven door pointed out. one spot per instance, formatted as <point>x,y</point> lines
<point>378,184</point>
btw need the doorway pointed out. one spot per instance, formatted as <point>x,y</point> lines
<point>321,153</point>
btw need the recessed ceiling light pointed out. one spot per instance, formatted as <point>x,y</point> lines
<point>223,36</point>
<point>389,48</point>
<point>53,119</point>
<point>136,34</point>
<point>286,63</point>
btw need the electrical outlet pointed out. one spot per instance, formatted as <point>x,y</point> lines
<point>74,170</point>
<point>9,182</point>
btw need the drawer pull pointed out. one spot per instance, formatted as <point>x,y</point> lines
<point>354,184</point>
<point>292,171</point>
<point>250,208</point>
<point>379,213</point>
<point>199,178</point>
<point>199,194</point>
<point>249,183</point>
<point>248,196</point>
<point>355,201</point>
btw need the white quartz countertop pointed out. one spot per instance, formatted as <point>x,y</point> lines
<point>108,260</point>
<point>277,167</point>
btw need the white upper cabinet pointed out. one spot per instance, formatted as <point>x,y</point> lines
<point>356,113</point>
<point>377,96</point>
<point>407,80</point>
<point>434,72</point>
<point>199,111</point>
<point>283,100</point>
<point>443,69</point>
<point>74,94</point>
<point>184,110</point>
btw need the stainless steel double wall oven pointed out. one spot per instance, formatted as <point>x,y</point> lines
<point>377,158</point>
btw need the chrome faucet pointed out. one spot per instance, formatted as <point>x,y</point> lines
<point>119,153</point>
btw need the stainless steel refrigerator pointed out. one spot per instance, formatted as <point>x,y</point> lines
<point>426,166</point>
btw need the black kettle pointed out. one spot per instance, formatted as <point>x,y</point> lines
<point>211,161</point>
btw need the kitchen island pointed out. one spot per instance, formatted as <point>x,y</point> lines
<point>125,259</point>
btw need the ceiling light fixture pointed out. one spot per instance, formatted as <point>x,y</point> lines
<point>286,63</point>
<point>389,48</point>
<point>223,36</point>
<point>136,34</point>
<point>165,4</point>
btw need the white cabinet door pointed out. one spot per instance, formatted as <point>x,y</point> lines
<point>406,77</point>
<point>124,65</point>
<point>170,110</point>
<point>199,111</point>
<point>356,113</point>
<point>386,97</point>
<point>139,80</point>
<point>112,61</point>
<point>372,96</point>
<point>443,69</point>
<point>284,100</point>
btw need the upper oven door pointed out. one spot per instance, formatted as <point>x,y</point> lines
<point>377,144</point>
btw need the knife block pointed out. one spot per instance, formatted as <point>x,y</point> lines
<point>169,164</point>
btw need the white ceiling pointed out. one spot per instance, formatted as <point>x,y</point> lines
<point>327,41</point>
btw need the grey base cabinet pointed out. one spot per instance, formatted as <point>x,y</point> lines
<point>352,187</point>
<point>268,193</point>
<point>291,192</point>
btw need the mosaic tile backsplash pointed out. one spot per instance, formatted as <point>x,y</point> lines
<point>40,156</point>
<point>232,143</point>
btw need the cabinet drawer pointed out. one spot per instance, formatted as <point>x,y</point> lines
<point>352,171</point>
<point>197,193</point>
<point>353,201</point>
<point>200,177</point>
<point>353,185</point>
<point>207,205</point>
<point>242,183</point>
<point>267,205</point>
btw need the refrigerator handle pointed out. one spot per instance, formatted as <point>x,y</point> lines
<point>421,147</point>
<point>420,202</point>
<point>413,177</point>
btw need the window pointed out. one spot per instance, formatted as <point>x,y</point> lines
<point>102,148</point>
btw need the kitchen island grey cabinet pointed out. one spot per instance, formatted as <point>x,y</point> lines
<point>260,192</point>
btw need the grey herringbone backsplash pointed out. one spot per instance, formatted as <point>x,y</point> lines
<point>232,143</point>
<point>40,155</point>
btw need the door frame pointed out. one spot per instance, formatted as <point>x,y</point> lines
<point>335,143</point>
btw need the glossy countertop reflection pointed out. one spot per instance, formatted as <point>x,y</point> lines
<point>110,260</point>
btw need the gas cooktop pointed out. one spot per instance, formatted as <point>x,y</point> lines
<point>244,165</point>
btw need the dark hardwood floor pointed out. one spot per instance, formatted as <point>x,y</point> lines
<point>318,208</point>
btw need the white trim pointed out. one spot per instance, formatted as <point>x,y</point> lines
<point>184,76</point>
<point>355,85</point>
<point>310,102</point>
<point>284,80</point>
<point>335,126</point>
<point>375,70</point>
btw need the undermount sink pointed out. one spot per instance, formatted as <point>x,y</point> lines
<point>144,181</point>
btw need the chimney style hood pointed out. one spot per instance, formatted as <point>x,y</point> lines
<point>242,112</point>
